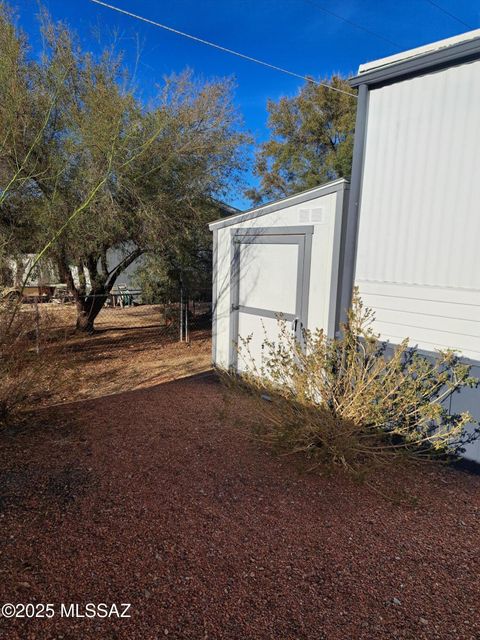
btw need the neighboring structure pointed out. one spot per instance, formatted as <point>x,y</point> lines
<point>410,240</point>
<point>45,274</point>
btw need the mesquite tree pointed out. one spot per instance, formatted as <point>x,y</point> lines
<point>95,169</point>
<point>311,140</point>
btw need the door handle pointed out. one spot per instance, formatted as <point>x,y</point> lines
<point>295,325</point>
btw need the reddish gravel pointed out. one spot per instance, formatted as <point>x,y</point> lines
<point>150,498</point>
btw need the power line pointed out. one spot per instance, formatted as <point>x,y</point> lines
<point>352,23</point>
<point>220,48</point>
<point>434,4</point>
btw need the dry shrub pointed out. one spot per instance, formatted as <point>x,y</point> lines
<point>355,401</point>
<point>29,359</point>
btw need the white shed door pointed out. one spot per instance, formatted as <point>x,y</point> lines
<point>270,274</point>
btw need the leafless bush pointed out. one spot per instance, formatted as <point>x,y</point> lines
<point>355,401</point>
<point>29,363</point>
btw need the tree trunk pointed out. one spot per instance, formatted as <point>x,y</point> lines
<point>88,309</point>
<point>102,281</point>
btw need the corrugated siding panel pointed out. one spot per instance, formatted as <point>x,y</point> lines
<point>418,260</point>
<point>469,400</point>
<point>434,322</point>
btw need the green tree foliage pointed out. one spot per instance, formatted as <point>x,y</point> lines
<point>85,166</point>
<point>15,122</point>
<point>311,141</point>
<point>185,265</point>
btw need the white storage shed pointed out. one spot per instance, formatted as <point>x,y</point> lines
<point>283,258</point>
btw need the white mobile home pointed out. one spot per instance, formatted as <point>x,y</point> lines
<point>46,272</point>
<point>414,213</point>
<point>409,237</point>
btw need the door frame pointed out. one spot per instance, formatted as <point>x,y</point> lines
<point>300,235</point>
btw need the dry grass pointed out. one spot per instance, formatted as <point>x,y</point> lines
<point>132,348</point>
<point>29,360</point>
<point>115,361</point>
<point>63,316</point>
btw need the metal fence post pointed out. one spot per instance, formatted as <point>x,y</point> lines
<point>181,313</point>
<point>37,326</point>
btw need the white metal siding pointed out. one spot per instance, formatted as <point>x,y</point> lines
<point>418,260</point>
<point>469,400</point>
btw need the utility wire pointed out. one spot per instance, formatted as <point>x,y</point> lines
<point>434,4</point>
<point>352,23</point>
<point>220,48</point>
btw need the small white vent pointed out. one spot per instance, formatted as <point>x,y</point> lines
<point>317,215</point>
<point>312,215</point>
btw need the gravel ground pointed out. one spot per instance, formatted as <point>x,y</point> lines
<point>150,498</point>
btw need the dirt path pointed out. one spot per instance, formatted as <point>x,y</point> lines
<point>149,498</point>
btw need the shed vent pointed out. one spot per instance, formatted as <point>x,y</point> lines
<point>312,215</point>
<point>317,215</point>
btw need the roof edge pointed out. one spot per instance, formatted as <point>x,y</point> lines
<point>283,203</point>
<point>461,52</point>
<point>420,50</point>
<point>223,205</point>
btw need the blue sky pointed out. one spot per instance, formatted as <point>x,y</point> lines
<point>295,34</point>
